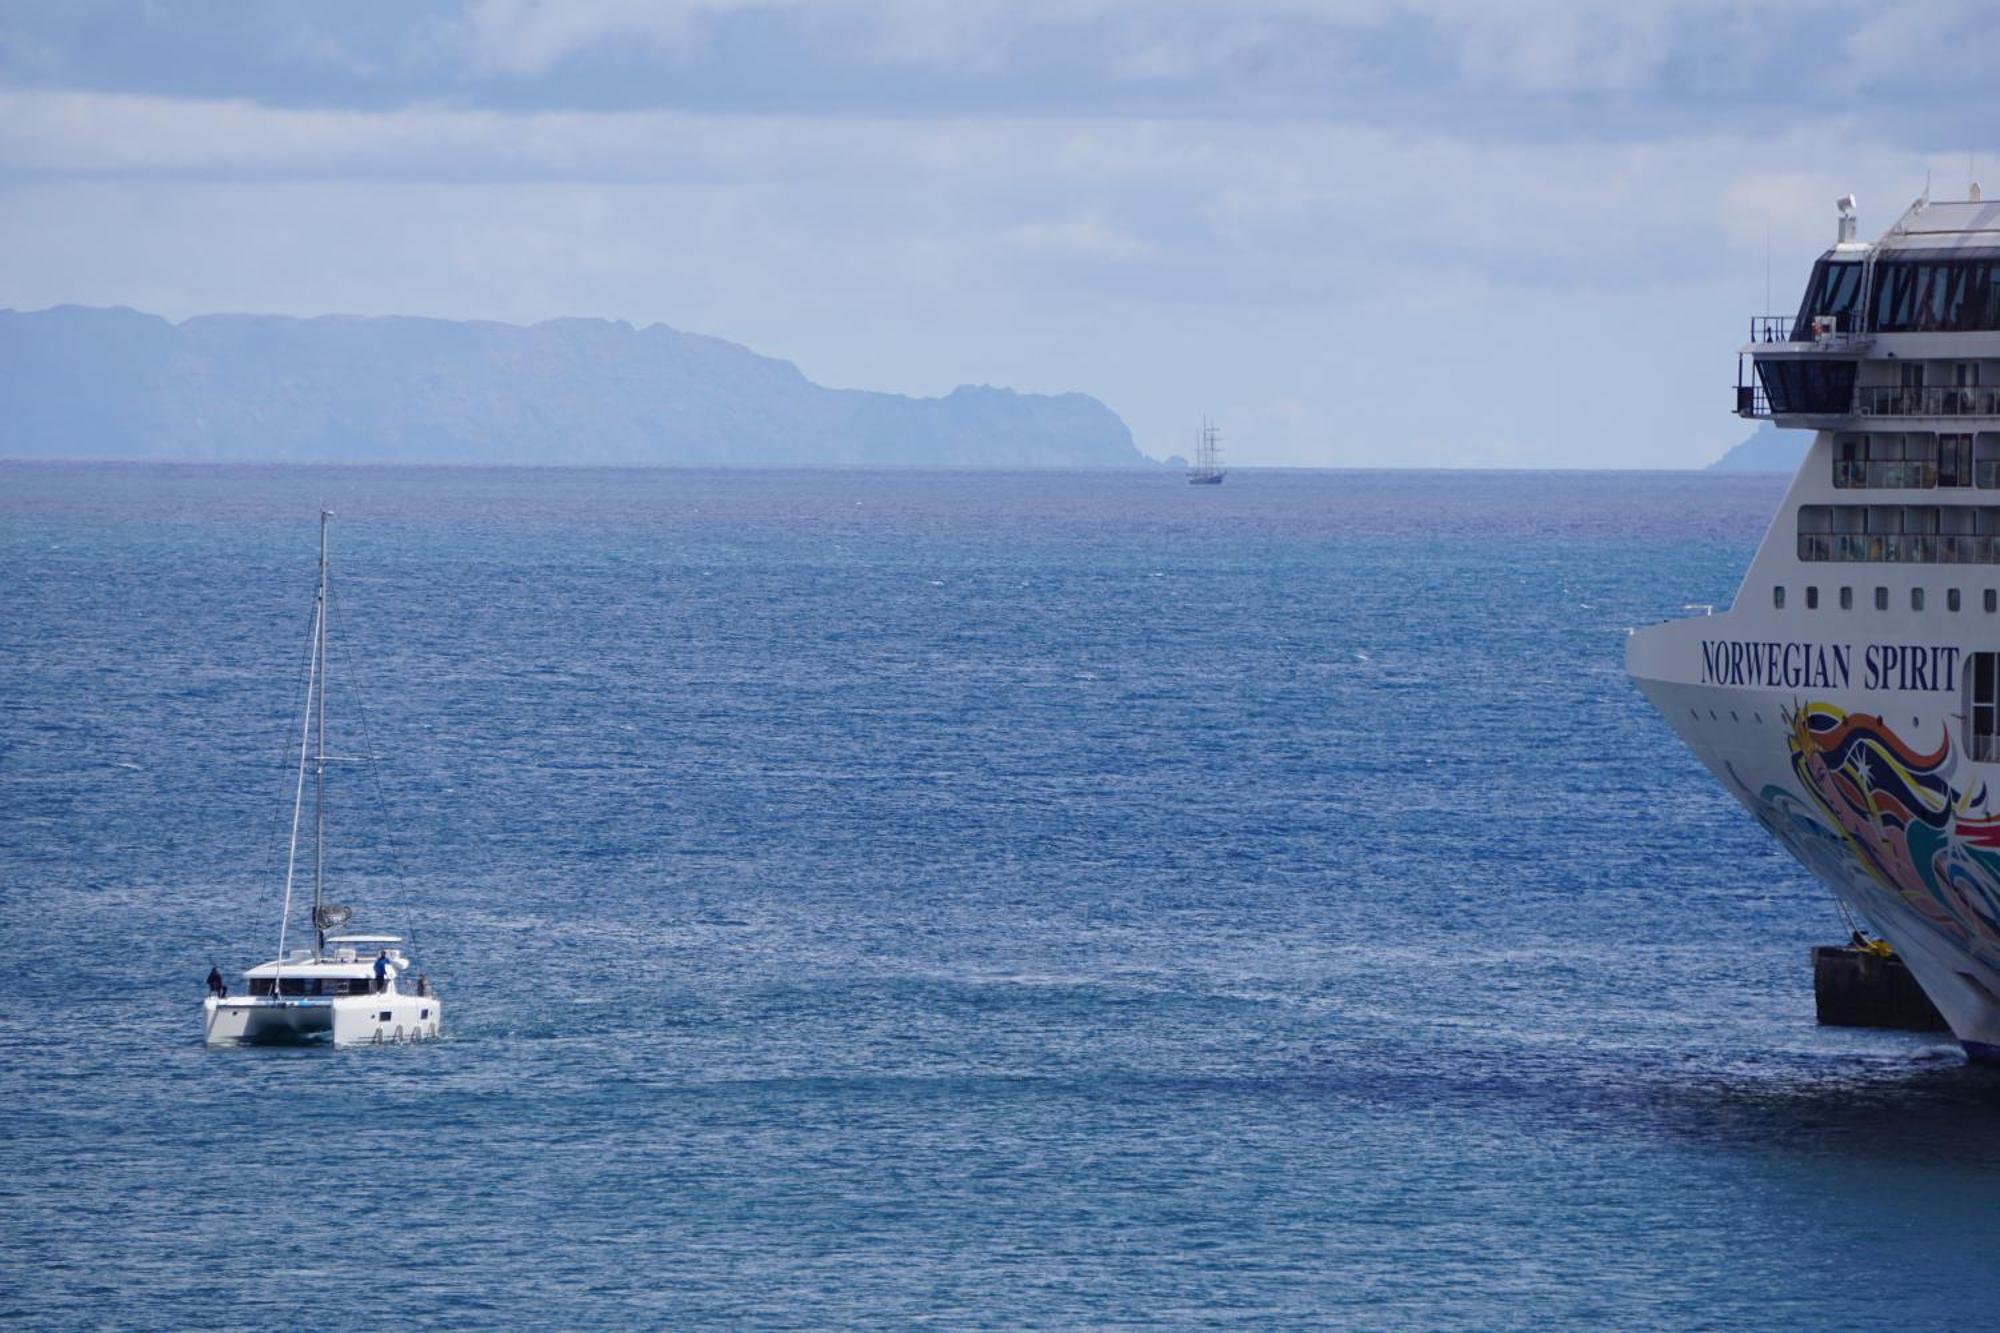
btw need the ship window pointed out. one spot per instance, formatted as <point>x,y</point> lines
<point>1916,599</point>
<point>1835,290</point>
<point>1890,460</point>
<point>1954,465</point>
<point>1920,525</point>
<point>1992,601</point>
<point>1920,455</point>
<point>1850,460</point>
<point>1921,296</point>
<point>1847,599</point>
<point>1812,597</point>
<point>260,985</point>
<point>1951,599</point>
<point>1900,534</point>
<point>1824,388</point>
<point>1778,596</point>
<point>1982,707</point>
<point>1986,460</point>
<point>1815,532</point>
<point>1881,599</point>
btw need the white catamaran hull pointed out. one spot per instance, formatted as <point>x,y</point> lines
<point>357,1020</point>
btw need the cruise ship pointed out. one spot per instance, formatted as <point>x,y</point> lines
<point>1850,697</point>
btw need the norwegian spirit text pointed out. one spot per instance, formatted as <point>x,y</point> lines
<point>1772,664</point>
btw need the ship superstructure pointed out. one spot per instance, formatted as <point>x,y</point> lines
<point>1850,697</point>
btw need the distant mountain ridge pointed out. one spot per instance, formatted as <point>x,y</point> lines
<point>81,382</point>
<point>1768,450</point>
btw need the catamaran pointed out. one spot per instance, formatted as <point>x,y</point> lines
<point>346,988</point>
<point>1850,698</point>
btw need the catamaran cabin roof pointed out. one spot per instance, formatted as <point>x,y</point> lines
<point>353,968</point>
<point>349,971</point>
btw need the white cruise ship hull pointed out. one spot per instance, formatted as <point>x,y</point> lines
<point>1850,697</point>
<point>1868,788</point>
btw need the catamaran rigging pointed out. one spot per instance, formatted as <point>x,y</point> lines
<point>307,994</point>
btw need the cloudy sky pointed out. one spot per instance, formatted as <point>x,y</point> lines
<point>1358,232</point>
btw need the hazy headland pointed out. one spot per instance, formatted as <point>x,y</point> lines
<point>79,382</point>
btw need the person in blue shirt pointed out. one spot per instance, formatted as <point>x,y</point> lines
<point>382,971</point>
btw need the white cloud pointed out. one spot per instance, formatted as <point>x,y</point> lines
<point>524,37</point>
<point>1087,235</point>
<point>1210,208</point>
<point>1934,42</point>
<point>26,53</point>
<point>1438,286</point>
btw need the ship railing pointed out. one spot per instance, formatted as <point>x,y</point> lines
<point>1887,400</point>
<point>1898,548</point>
<point>1938,400</point>
<point>1908,474</point>
<point>1827,331</point>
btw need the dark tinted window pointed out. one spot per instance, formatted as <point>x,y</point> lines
<point>1822,387</point>
<point>1922,296</point>
<point>1982,714</point>
<point>1835,293</point>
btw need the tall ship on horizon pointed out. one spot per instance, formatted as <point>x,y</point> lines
<point>1207,469</point>
<point>1850,696</point>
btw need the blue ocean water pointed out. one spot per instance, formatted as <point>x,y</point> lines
<point>883,897</point>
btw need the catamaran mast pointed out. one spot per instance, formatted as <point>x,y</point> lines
<point>319,754</point>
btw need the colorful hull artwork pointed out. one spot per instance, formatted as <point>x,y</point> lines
<point>1875,800</point>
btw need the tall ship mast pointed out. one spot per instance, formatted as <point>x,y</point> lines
<point>1207,469</point>
<point>1850,697</point>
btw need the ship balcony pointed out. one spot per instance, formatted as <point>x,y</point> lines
<point>1753,402</point>
<point>1804,390</point>
<point>1899,400</point>
<point>1804,371</point>
<point>1823,333</point>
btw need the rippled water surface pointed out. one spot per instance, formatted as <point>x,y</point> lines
<point>975,898</point>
